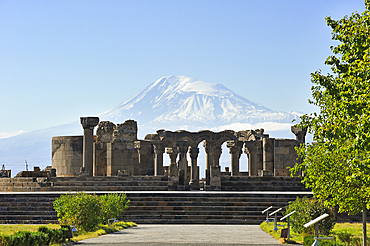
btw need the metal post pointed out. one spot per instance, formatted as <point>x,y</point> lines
<point>267,217</point>
<point>364,225</point>
<point>288,227</point>
<point>275,223</point>
<point>316,235</point>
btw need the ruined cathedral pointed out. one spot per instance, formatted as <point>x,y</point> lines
<point>116,151</point>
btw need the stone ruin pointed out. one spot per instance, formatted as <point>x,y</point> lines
<point>116,151</point>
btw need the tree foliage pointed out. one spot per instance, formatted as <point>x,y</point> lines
<point>112,206</point>
<point>307,210</point>
<point>337,166</point>
<point>86,211</point>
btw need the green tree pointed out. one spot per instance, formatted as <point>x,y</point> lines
<point>112,206</point>
<point>80,209</point>
<point>337,167</point>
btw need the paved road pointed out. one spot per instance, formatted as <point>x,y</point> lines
<point>192,235</point>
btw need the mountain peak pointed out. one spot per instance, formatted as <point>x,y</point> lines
<point>192,103</point>
<point>188,84</point>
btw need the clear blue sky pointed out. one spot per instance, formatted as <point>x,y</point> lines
<point>60,60</point>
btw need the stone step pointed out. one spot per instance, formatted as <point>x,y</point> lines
<point>204,212</point>
<point>50,212</point>
<point>110,178</point>
<point>110,188</point>
<point>209,204</point>
<point>22,217</point>
<point>193,219</point>
<point>111,183</point>
<point>245,198</point>
<point>197,208</point>
<point>84,188</point>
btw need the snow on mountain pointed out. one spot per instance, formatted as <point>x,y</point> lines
<point>174,101</point>
<point>171,103</point>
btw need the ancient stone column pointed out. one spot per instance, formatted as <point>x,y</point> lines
<point>144,149</point>
<point>235,149</point>
<point>268,156</point>
<point>158,147</point>
<point>255,157</point>
<point>299,133</point>
<point>213,174</point>
<point>172,169</point>
<point>209,146</point>
<point>104,136</point>
<point>182,147</point>
<point>194,181</point>
<point>88,124</point>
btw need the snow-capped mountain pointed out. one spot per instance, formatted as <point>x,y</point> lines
<point>191,104</point>
<point>171,103</point>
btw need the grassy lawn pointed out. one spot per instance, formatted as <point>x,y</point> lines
<point>77,236</point>
<point>353,228</point>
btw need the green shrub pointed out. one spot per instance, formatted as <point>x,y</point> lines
<point>79,209</point>
<point>26,238</point>
<point>307,210</point>
<point>4,240</point>
<point>55,236</point>
<point>112,206</point>
<point>86,211</point>
<point>309,239</point>
<point>357,241</point>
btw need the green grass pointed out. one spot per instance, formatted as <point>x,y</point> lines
<point>353,228</point>
<point>77,236</point>
<point>8,230</point>
<point>102,230</point>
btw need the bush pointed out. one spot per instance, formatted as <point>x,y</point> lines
<point>56,236</point>
<point>86,211</point>
<point>112,206</point>
<point>4,240</point>
<point>309,239</point>
<point>307,210</point>
<point>80,209</point>
<point>26,238</point>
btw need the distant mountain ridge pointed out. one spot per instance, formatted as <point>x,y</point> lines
<point>180,100</point>
<point>171,103</point>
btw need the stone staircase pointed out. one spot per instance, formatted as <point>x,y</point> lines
<point>155,207</point>
<point>265,183</point>
<point>166,207</point>
<point>27,208</point>
<point>204,207</point>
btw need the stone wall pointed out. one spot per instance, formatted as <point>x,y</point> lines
<point>285,156</point>
<point>67,155</point>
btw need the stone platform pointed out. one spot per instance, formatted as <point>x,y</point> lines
<point>143,183</point>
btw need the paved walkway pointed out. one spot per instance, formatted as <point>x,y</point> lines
<point>193,235</point>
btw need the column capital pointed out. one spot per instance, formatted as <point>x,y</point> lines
<point>158,147</point>
<point>88,123</point>
<point>182,146</point>
<point>300,133</point>
<point>171,150</point>
<point>209,146</point>
<point>235,147</point>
